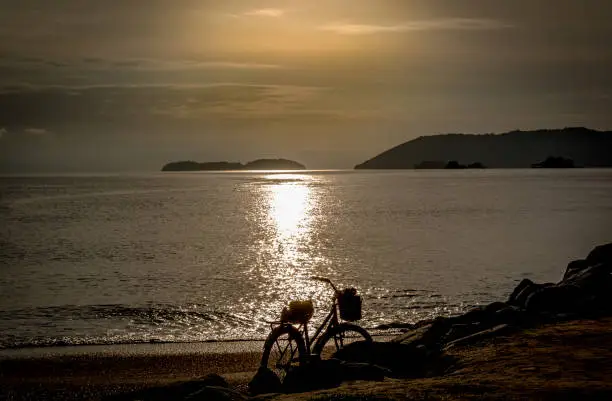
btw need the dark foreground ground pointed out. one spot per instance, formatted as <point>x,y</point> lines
<point>571,360</point>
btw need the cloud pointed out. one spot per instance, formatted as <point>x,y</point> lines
<point>36,131</point>
<point>150,64</point>
<point>136,63</point>
<point>465,24</point>
<point>266,12</point>
<point>30,107</point>
<point>3,132</point>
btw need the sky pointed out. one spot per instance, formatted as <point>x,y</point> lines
<point>128,85</point>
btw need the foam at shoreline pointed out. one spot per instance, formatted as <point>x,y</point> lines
<point>137,349</point>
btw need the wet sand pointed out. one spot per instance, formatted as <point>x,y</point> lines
<point>94,372</point>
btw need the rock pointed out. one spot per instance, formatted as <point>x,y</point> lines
<point>594,279</point>
<point>601,254</point>
<point>212,379</point>
<point>575,267</point>
<point>412,336</point>
<point>482,335</point>
<point>363,371</point>
<point>313,376</point>
<point>401,360</point>
<point>525,283</point>
<point>556,299</point>
<point>395,325</point>
<point>264,381</point>
<point>512,315</point>
<point>216,393</point>
<point>462,330</point>
<point>523,291</point>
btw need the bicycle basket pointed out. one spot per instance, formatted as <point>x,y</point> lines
<point>349,304</point>
<point>298,312</point>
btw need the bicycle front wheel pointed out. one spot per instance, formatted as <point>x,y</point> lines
<point>284,348</point>
<point>338,337</point>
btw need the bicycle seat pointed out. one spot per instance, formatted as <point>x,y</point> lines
<point>298,312</point>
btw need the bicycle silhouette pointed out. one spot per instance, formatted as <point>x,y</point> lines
<point>288,346</point>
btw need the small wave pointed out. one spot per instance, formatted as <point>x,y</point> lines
<point>120,324</point>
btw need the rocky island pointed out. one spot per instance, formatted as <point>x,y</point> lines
<point>555,162</point>
<point>515,149</point>
<point>259,164</point>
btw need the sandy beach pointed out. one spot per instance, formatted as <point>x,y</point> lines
<point>95,372</point>
<point>557,361</point>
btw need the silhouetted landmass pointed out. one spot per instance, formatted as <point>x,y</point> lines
<point>195,166</point>
<point>260,164</point>
<point>454,165</point>
<point>516,149</point>
<point>430,165</point>
<point>555,162</point>
<point>274,164</point>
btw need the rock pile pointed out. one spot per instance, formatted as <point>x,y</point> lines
<point>585,291</point>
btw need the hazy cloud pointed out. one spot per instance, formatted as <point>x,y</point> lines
<point>36,131</point>
<point>223,103</point>
<point>469,24</point>
<point>266,12</point>
<point>136,63</point>
<point>3,132</point>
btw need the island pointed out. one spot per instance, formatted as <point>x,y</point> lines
<point>259,164</point>
<point>450,165</point>
<point>555,162</point>
<point>515,149</point>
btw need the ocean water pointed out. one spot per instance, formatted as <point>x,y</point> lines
<point>178,257</point>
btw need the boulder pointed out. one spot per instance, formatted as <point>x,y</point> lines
<point>462,330</point>
<point>601,254</point>
<point>512,315</point>
<point>216,393</point>
<point>556,299</point>
<point>575,267</point>
<point>313,376</point>
<point>594,279</point>
<point>412,336</point>
<point>399,360</point>
<point>264,381</point>
<point>482,335</point>
<point>523,291</point>
<point>363,371</point>
<point>212,379</point>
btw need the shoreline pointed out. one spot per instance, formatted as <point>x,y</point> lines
<point>153,348</point>
<point>525,364</point>
<point>133,349</point>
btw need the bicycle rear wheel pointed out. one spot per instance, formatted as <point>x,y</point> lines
<point>339,337</point>
<point>284,348</point>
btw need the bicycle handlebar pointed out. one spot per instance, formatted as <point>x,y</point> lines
<point>325,280</point>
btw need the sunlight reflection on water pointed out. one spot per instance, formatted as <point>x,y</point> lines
<point>289,220</point>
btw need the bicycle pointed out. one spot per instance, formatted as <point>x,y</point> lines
<point>289,346</point>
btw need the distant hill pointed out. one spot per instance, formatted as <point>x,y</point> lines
<point>516,149</point>
<point>260,164</point>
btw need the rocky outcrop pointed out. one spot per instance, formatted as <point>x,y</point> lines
<point>260,164</point>
<point>554,162</point>
<point>585,291</point>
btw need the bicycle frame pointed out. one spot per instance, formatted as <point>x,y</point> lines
<point>330,320</point>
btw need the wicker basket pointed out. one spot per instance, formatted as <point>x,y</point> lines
<point>349,304</point>
<point>298,312</point>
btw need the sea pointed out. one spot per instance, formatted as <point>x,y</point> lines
<point>215,256</point>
